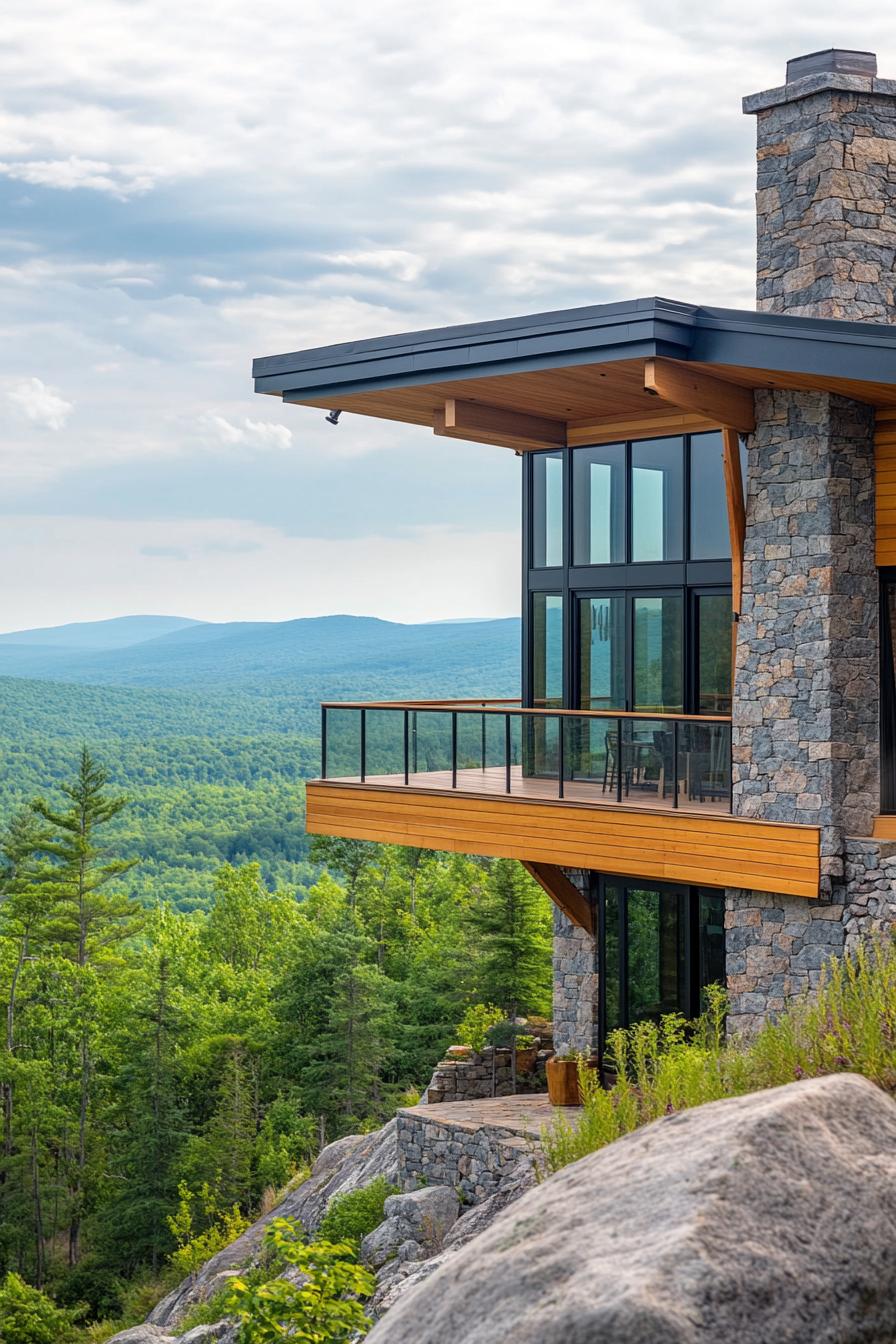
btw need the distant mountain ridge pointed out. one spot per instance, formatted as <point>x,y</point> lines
<point>117,633</point>
<point>348,655</point>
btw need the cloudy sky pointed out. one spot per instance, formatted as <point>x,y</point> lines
<point>185,186</point>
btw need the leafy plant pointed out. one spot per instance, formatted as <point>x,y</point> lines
<point>351,1216</point>
<point>28,1316</point>
<point>475,1024</point>
<point>524,1041</point>
<point>195,1246</point>
<point>849,1022</point>
<point>322,1308</point>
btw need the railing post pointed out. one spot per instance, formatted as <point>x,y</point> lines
<point>454,749</point>
<point>406,733</point>
<point>506,753</point>
<point>414,742</point>
<point>323,741</point>
<point>560,755</point>
<point>363,745</point>
<point>675,726</point>
<point>482,716</point>
<point>619,760</point>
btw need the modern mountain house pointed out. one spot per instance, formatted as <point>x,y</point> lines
<point>701,767</point>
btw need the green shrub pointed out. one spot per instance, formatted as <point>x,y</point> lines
<point>28,1316</point>
<point>195,1246</point>
<point>351,1216</point>
<point>476,1023</point>
<point>848,1023</point>
<point>322,1309</point>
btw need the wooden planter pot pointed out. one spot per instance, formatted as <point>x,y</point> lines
<point>563,1081</point>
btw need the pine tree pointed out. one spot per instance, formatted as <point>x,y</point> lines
<point>91,917</point>
<point>510,925</point>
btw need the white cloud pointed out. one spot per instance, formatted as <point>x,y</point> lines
<point>225,569</point>
<point>39,404</point>
<point>215,282</point>
<point>246,434</point>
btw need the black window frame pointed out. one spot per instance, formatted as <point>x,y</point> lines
<point>690,900</point>
<point>643,578</point>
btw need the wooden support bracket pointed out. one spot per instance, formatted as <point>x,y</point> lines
<point>702,393</point>
<point>563,893</point>
<point>737,518</point>
<point>492,424</point>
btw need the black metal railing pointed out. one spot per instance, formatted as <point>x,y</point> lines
<point>666,760</point>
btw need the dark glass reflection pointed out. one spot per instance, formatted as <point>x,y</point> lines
<point>712,937</point>
<point>547,650</point>
<point>656,960</point>
<point>598,492</point>
<point>612,904</point>
<point>658,500</point>
<point>657,632</point>
<point>547,510</point>
<point>710,539</point>
<point>714,640</point>
<point>602,653</point>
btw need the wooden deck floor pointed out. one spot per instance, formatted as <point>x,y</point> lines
<point>492,781</point>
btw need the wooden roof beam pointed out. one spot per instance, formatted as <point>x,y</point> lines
<point>675,382</point>
<point>493,424</point>
<point>552,879</point>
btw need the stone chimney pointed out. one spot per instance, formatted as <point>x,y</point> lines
<point>826,197</point>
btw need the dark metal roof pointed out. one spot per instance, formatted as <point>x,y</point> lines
<point>639,328</point>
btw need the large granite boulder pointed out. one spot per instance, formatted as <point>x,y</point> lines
<point>423,1217</point>
<point>766,1217</point>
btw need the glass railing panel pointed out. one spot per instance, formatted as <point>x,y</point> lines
<point>645,766</point>
<point>588,751</point>
<point>705,765</point>
<point>430,745</point>
<point>341,748</point>
<point>384,743</point>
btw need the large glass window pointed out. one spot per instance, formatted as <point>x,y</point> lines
<point>657,631</point>
<point>547,650</point>
<point>660,947</point>
<point>598,493</point>
<point>710,539</point>
<point>547,510</point>
<point>714,647</point>
<point>658,500</point>
<point>602,653</point>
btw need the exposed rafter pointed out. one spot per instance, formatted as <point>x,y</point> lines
<point>492,424</point>
<point>675,382</point>
<point>576,907</point>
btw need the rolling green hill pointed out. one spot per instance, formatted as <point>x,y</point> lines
<point>212,729</point>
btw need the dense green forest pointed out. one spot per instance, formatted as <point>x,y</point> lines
<point>211,730</point>
<point>163,1071</point>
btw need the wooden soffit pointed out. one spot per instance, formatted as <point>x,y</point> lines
<point>591,403</point>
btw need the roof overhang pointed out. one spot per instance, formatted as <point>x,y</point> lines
<point>585,367</point>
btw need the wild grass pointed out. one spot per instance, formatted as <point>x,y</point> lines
<point>847,1025</point>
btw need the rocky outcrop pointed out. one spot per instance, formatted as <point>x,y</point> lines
<point>763,1217</point>
<point>348,1164</point>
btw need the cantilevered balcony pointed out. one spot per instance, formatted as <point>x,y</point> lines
<point>643,794</point>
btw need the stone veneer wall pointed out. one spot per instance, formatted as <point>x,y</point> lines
<point>472,1161</point>
<point>575,980</point>
<point>805,717</point>
<point>826,190</point>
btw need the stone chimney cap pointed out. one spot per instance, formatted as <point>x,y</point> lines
<point>833,70</point>
<point>834,61</point>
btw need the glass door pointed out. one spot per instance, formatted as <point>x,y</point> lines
<point>644,952</point>
<point>658,653</point>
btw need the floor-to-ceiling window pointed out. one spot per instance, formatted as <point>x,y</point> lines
<point>628,577</point>
<point>660,946</point>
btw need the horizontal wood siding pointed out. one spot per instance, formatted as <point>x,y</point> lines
<point>885,484</point>
<point>715,851</point>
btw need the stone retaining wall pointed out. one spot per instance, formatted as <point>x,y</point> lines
<point>471,1079</point>
<point>474,1162</point>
